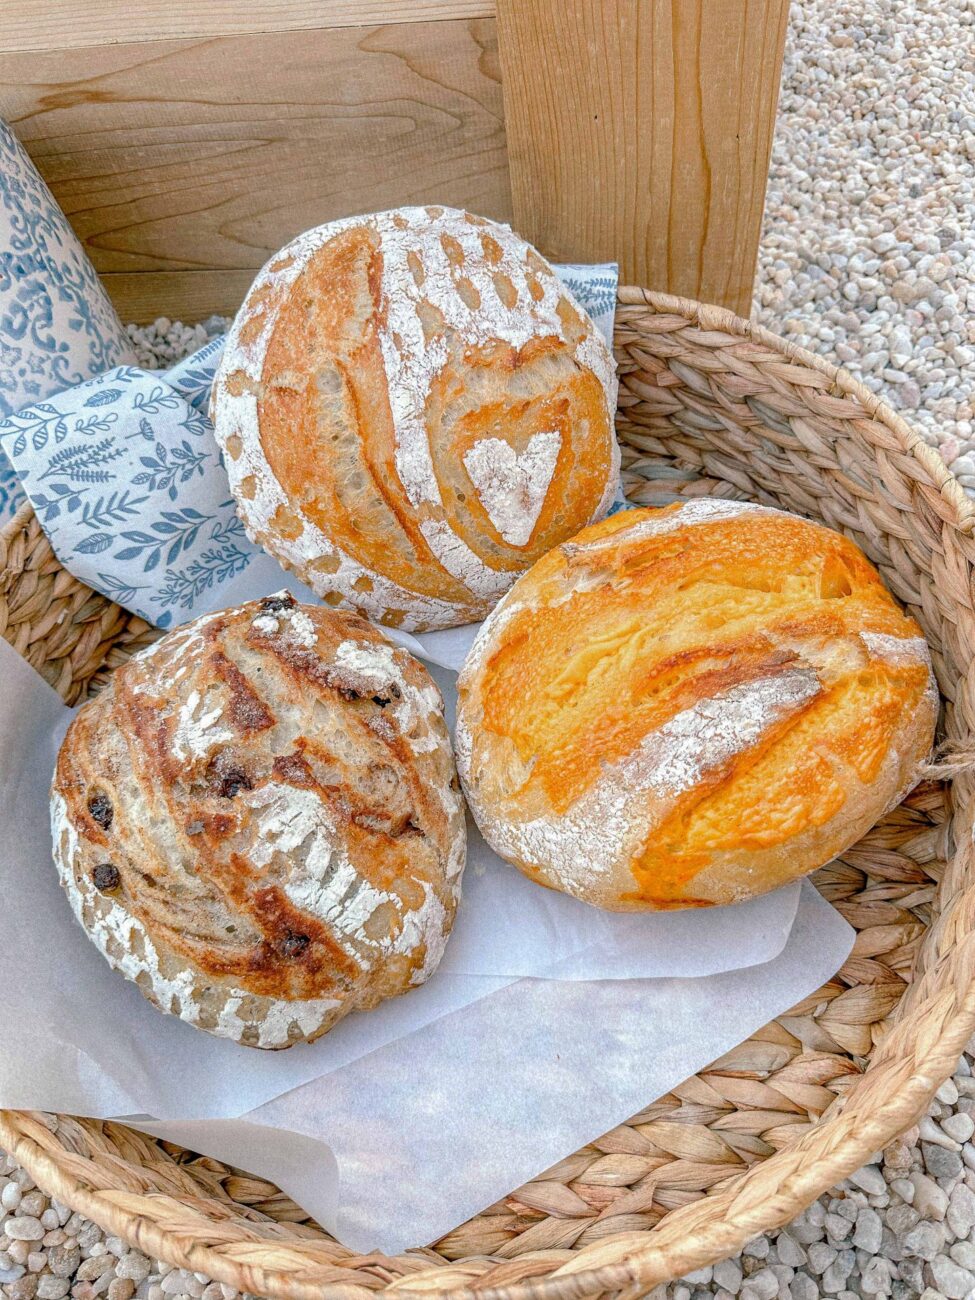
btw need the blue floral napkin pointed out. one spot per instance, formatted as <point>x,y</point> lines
<point>127,480</point>
<point>57,325</point>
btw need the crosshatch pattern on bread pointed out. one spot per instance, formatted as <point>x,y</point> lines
<point>413,409</point>
<point>690,706</point>
<point>259,821</point>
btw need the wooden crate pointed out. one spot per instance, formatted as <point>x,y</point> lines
<point>188,141</point>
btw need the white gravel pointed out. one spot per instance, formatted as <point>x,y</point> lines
<point>868,258</point>
<point>868,252</point>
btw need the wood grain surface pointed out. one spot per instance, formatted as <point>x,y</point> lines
<point>183,164</point>
<point>63,24</point>
<point>641,130</point>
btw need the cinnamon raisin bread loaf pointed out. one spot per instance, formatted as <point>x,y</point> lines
<point>258,821</point>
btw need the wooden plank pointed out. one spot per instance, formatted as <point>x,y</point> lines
<point>209,155</point>
<point>66,24</point>
<point>181,295</point>
<point>640,130</point>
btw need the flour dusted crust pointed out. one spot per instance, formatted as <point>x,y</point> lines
<point>259,822</point>
<point>413,409</point>
<point>691,706</point>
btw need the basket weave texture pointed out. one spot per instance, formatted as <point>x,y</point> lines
<point>709,405</point>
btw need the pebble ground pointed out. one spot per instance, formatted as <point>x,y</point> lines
<point>868,257</point>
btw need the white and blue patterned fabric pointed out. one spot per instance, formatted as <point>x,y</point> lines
<point>128,482</point>
<point>57,326</point>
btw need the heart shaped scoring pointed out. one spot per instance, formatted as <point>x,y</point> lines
<point>512,485</point>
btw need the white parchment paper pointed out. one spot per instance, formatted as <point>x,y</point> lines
<point>404,1120</point>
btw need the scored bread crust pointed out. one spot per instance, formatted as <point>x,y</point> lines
<point>691,706</point>
<point>259,822</point>
<point>413,409</point>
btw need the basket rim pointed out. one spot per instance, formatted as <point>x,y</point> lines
<point>21,1134</point>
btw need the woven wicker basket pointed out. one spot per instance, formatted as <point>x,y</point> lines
<point>708,405</point>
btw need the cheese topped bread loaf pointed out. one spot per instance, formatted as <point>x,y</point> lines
<point>413,409</point>
<point>690,706</point>
<point>259,822</point>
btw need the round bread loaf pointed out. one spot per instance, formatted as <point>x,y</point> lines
<point>259,821</point>
<point>690,706</point>
<point>413,409</point>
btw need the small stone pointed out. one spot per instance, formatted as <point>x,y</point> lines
<point>726,1274</point>
<point>25,1287</point>
<point>912,1272</point>
<point>50,1287</point>
<point>875,1278</point>
<point>89,1234</point>
<point>134,1265</point>
<point>961,1210</point>
<point>33,1204</point>
<point>803,1287</point>
<point>837,1227</point>
<point>947,1094</point>
<point>178,1283</point>
<point>21,1227</point>
<point>93,1267</point>
<point>869,1231</point>
<point>758,1248</point>
<point>121,1288</point>
<point>11,1196</point>
<point>939,1162</point>
<point>789,1250</point>
<point>902,1218</point>
<point>820,1256</point>
<point>924,1240</point>
<point>898,1155</point>
<point>700,1277</point>
<point>959,1126</point>
<point>763,1285</point>
<point>930,1200</point>
<point>870,1180</point>
<point>950,1278</point>
<point>12,1273</point>
<point>963,1253</point>
<point>847,1206</point>
<point>63,1260</point>
<point>833,1280</point>
<point>929,1129</point>
<point>36,1261</point>
<point>807,1227</point>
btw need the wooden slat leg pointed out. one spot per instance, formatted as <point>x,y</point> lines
<point>640,131</point>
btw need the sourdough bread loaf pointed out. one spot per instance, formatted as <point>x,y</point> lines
<point>259,822</point>
<point>413,409</point>
<point>691,706</point>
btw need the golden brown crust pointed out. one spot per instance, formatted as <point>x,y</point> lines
<point>691,706</point>
<point>413,411</point>
<point>258,821</point>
